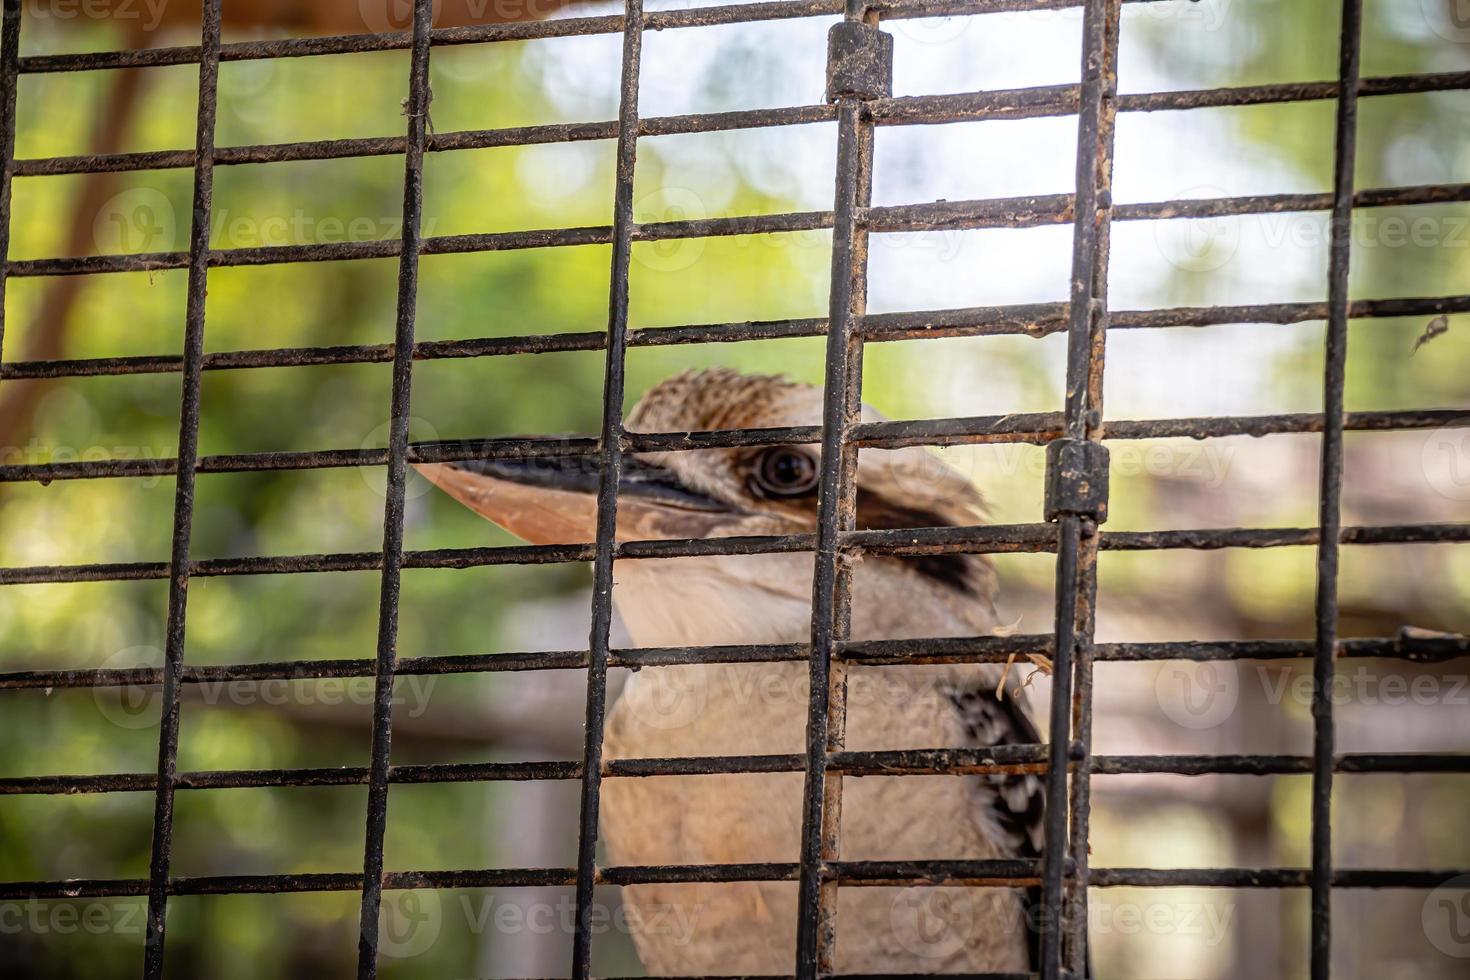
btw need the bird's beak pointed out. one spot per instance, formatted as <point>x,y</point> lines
<point>553,500</point>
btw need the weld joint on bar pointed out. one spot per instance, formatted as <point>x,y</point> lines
<point>859,62</point>
<point>1076,479</point>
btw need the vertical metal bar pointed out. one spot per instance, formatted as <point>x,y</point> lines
<point>1097,116</point>
<point>1076,567</point>
<point>1054,854</point>
<point>831,575</point>
<point>178,584</point>
<point>9,73</point>
<point>610,469</point>
<point>1330,516</point>
<point>417,111</point>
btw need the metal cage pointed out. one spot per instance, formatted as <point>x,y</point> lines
<point>859,99</point>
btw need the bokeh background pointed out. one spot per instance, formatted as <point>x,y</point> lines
<point>1164,821</point>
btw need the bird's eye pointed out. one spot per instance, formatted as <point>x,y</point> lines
<point>784,472</point>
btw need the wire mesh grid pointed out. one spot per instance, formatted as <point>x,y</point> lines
<point>1077,469</point>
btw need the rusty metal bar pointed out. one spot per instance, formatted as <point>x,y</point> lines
<point>610,467</point>
<point>1324,670</point>
<point>179,565</point>
<point>1031,319</point>
<point>859,69</point>
<point>417,111</point>
<point>1095,138</point>
<point>9,71</point>
<point>1022,103</point>
<point>915,762</point>
<point>1039,428</point>
<point>1023,212</point>
<point>1076,470</point>
<point>1408,646</point>
<point>977,540</point>
<point>707,16</point>
<point>850,873</point>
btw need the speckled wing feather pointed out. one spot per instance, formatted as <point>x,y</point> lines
<point>1010,807</point>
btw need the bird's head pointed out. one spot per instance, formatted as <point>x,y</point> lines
<point>722,492</point>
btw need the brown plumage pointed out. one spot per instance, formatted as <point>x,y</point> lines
<point>739,709</point>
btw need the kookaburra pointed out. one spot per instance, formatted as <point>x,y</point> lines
<point>761,708</point>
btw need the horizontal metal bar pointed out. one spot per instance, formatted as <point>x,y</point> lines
<point>289,778</point>
<point>975,872</point>
<point>1036,428</point>
<point>882,873</point>
<point>1032,319</point>
<point>980,539</point>
<point>1021,103</point>
<point>525,31</point>
<point>1022,212</point>
<point>1267,878</point>
<point>906,762</point>
<point>1410,646</point>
